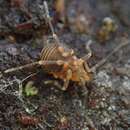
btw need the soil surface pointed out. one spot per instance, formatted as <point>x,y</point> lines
<point>24,31</point>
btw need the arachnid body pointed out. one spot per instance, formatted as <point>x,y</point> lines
<point>67,66</point>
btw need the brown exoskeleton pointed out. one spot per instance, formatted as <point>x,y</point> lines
<point>62,63</point>
<point>67,66</point>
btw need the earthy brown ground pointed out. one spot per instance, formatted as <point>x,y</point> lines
<point>108,97</point>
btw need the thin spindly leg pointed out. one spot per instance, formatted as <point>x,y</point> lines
<point>58,85</point>
<point>66,81</point>
<point>84,89</point>
<point>53,82</point>
<point>84,92</point>
<point>123,43</point>
<point>29,76</point>
<point>41,62</point>
<point>50,23</point>
<point>86,57</point>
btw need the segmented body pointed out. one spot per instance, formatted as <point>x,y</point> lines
<point>50,52</point>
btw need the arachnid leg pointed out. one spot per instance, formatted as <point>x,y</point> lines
<point>84,92</point>
<point>86,57</point>
<point>66,81</point>
<point>54,82</point>
<point>84,89</point>
<point>29,76</point>
<point>123,43</point>
<point>58,85</point>
<point>50,23</point>
<point>41,62</point>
